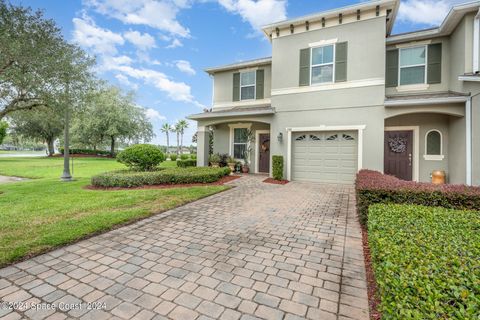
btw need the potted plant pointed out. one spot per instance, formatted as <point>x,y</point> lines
<point>214,160</point>
<point>231,164</point>
<point>250,135</point>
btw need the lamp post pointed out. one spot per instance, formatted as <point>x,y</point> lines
<point>66,176</point>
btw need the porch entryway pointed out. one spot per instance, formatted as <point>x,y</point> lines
<point>398,158</point>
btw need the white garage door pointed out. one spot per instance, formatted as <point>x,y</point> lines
<point>329,157</point>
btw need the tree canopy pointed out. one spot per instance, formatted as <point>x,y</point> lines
<point>111,117</point>
<point>36,63</point>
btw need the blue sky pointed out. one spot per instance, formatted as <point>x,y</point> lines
<point>159,48</point>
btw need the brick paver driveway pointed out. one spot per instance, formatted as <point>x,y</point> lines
<point>256,251</point>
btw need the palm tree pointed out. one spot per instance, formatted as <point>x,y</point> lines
<point>181,126</point>
<point>176,129</point>
<point>166,128</point>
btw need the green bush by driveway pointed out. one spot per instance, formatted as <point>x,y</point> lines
<point>130,178</point>
<point>374,187</point>
<point>143,157</point>
<point>426,261</point>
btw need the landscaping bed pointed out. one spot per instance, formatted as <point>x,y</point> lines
<point>374,187</point>
<point>220,182</point>
<point>273,181</point>
<point>161,176</point>
<point>426,261</point>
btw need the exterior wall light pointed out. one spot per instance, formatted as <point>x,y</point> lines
<point>280,137</point>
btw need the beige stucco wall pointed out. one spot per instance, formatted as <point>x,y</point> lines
<point>223,85</point>
<point>364,62</point>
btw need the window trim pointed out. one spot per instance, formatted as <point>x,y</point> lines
<point>254,85</point>
<point>232,136</point>
<point>400,67</point>
<point>433,157</point>
<point>323,64</point>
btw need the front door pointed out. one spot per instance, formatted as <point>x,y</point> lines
<point>264,152</point>
<point>398,154</point>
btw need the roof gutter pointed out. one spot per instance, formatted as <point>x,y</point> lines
<point>423,102</point>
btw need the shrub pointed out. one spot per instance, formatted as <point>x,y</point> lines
<point>186,163</point>
<point>184,156</point>
<point>87,151</point>
<point>425,261</point>
<point>130,178</point>
<point>214,158</point>
<point>173,157</point>
<point>374,187</point>
<point>223,159</point>
<point>193,156</point>
<point>143,157</point>
<point>277,167</point>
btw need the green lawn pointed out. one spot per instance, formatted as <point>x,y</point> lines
<point>43,213</point>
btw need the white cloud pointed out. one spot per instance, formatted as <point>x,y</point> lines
<point>99,40</point>
<point>177,91</point>
<point>158,14</point>
<point>257,13</point>
<point>154,115</point>
<point>142,41</point>
<point>175,43</point>
<point>125,81</point>
<point>185,67</point>
<point>429,12</point>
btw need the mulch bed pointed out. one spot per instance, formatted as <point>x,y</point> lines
<point>170,186</point>
<point>273,181</point>
<point>373,299</point>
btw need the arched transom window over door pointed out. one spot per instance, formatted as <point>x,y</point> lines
<point>433,145</point>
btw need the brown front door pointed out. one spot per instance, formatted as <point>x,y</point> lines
<point>398,154</point>
<point>264,152</point>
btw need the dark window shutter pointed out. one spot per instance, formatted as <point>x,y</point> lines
<point>391,77</point>
<point>260,84</point>
<point>434,71</point>
<point>304,67</point>
<point>341,53</point>
<point>236,86</point>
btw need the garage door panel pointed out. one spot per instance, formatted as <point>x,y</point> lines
<point>317,159</point>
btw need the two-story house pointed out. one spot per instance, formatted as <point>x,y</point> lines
<point>341,93</point>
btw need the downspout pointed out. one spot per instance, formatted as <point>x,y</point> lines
<point>468,126</point>
<point>476,43</point>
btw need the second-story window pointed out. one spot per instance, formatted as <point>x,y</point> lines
<point>322,64</point>
<point>413,65</point>
<point>247,85</point>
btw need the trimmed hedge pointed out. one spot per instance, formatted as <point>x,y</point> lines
<point>87,151</point>
<point>144,157</point>
<point>277,167</point>
<point>130,178</point>
<point>374,187</point>
<point>426,261</point>
<point>184,156</point>
<point>186,163</point>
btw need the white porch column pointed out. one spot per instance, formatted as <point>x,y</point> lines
<point>203,139</point>
<point>468,126</point>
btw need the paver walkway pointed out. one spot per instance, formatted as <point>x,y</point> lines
<point>256,251</point>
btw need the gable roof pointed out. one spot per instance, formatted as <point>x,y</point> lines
<point>448,25</point>
<point>241,64</point>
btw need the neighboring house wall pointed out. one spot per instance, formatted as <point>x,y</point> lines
<point>223,86</point>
